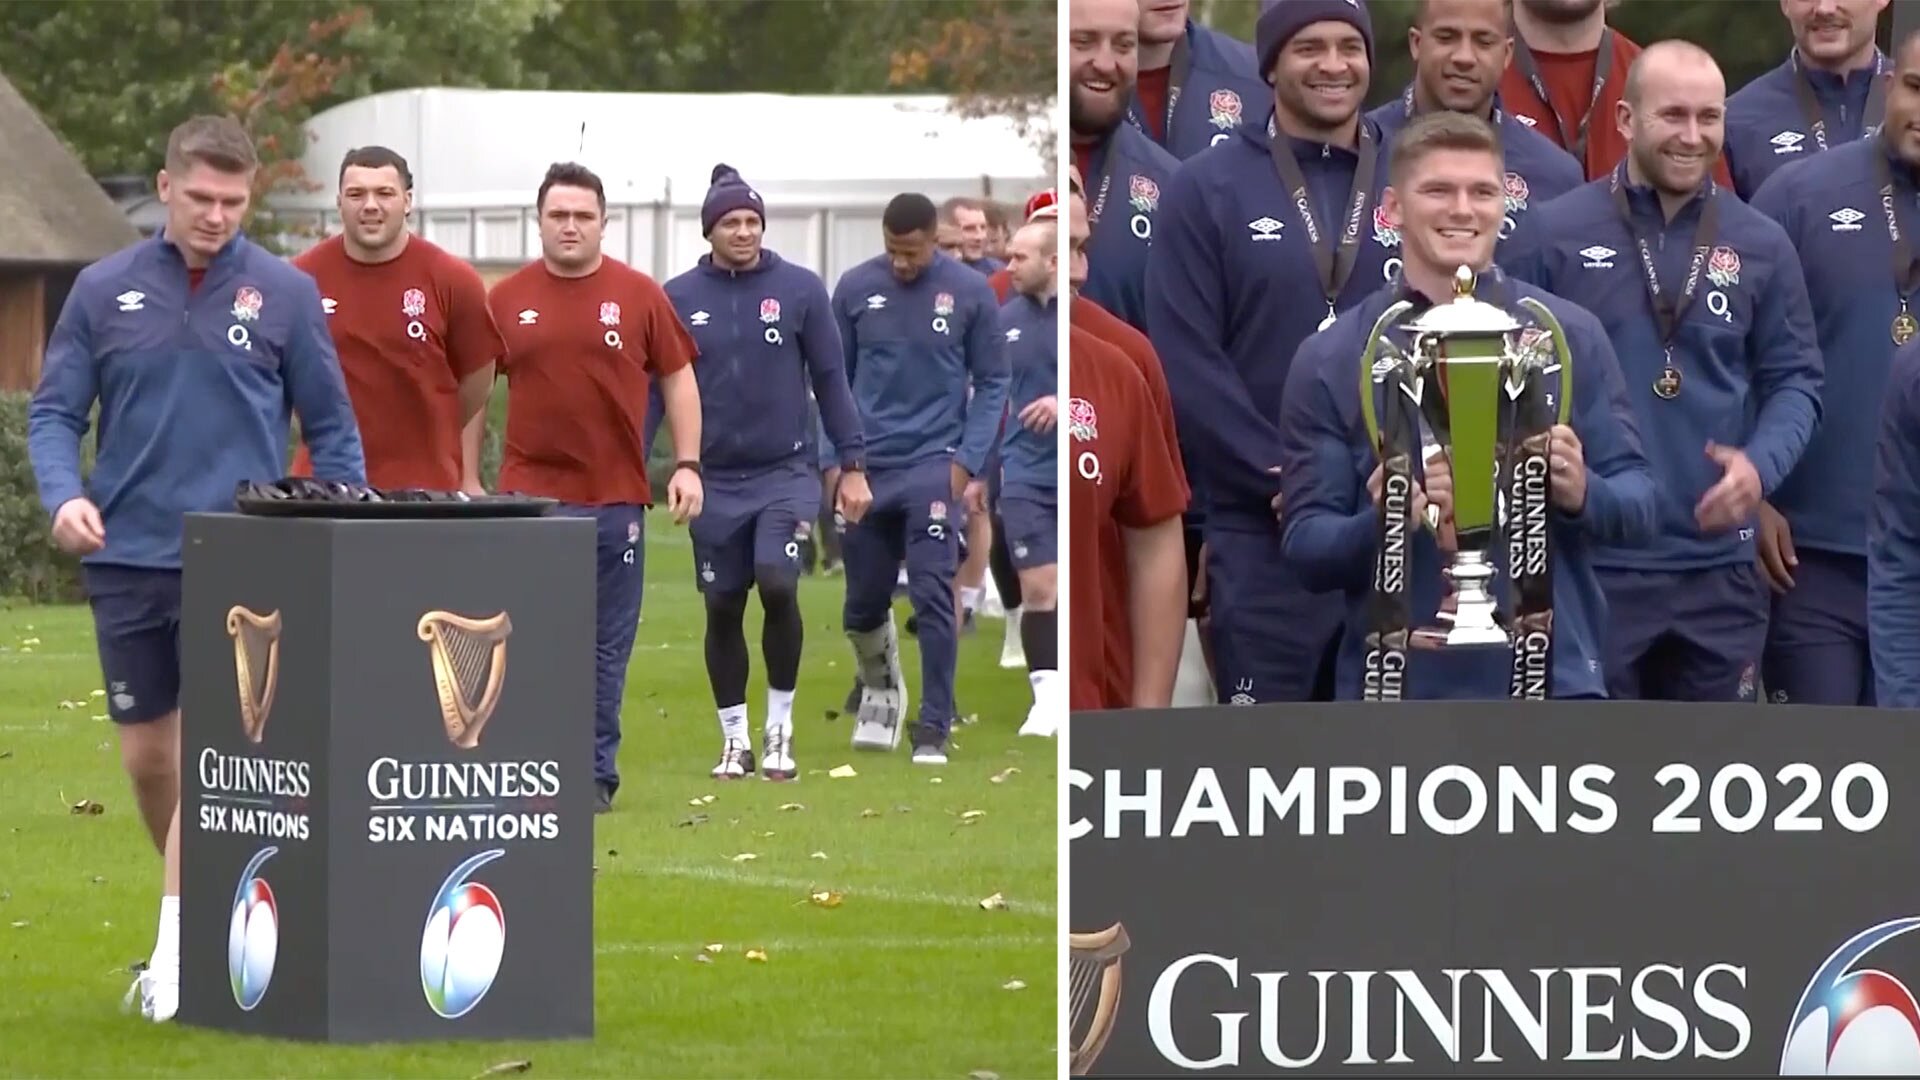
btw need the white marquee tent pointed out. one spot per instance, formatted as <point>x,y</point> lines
<point>826,166</point>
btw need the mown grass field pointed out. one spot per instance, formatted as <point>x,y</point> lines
<point>907,977</point>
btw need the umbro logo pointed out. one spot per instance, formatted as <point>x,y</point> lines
<point>876,302</point>
<point>329,305</point>
<point>132,301</point>
<point>1599,257</point>
<point>1787,142</point>
<point>529,317</point>
<point>699,318</point>
<point>1013,334</point>
<point>1846,219</point>
<point>1265,228</point>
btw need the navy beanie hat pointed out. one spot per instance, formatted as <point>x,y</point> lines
<point>727,194</point>
<point>1281,19</point>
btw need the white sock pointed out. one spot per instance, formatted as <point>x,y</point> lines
<point>733,723</point>
<point>779,710</point>
<point>166,949</point>
<point>1045,687</point>
<point>970,599</point>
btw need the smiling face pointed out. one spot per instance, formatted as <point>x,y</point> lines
<point>1320,78</point>
<point>1104,56</point>
<point>1833,33</point>
<point>1460,48</point>
<point>1674,116</point>
<point>1449,204</point>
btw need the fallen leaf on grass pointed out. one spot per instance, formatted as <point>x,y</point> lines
<point>996,902</point>
<point>982,1074</point>
<point>31,641</point>
<point>71,704</point>
<point>972,816</point>
<point>686,822</point>
<point>869,812</point>
<point>827,899</point>
<point>704,800</point>
<point>937,780</point>
<point>702,958</point>
<point>903,809</point>
<point>745,856</point>
<point>97,693</point>
<point>818,855</point>
<point>1013,984</point>
<point>764,835</point>
<point>758,956</point>
<point>1002,776</point>
<point>842,772</point>
<point>716,947</point>
<point>790,806</point>
<point>20,925</point>
<point>503,1069</point>
<point>87,807</point>
<point>5,754</point>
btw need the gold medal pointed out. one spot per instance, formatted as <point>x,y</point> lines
<point>1668,384</point>
<point>1905,326</point>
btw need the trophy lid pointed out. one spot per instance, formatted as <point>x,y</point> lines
<point>1463,316</point>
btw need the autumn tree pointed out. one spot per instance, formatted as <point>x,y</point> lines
<point>997,59</point>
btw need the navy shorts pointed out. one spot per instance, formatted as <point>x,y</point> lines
<point>136,626</point>
<point>1685,635</point>
<point>1031,517</point>
<point>752,526</point>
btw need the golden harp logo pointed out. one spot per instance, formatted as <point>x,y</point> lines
<point>256,666</point>
<point>1093,974</point>
<point>469,667</point>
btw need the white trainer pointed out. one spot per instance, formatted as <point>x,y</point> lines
<point>776,759</point>
<point>736,761</point>
<point>1042,722</point>
<point>158,990</point>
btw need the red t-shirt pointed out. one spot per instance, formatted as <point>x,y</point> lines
<point>1090,317</point>
<point>1152,88</point>
<point>580,356</point>
<point>1123,475</point>
<point>1569,81</point>
<point>1001,281</point>
<point>408,331</point>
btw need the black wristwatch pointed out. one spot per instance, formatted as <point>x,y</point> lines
<point>690,466</point>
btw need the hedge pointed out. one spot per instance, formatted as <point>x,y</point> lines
<point>38,572</point>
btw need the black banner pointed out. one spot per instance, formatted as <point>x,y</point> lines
<point>1495,888</point>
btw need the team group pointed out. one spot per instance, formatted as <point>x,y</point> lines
<point>191,356</point>
<point>1735,489</point>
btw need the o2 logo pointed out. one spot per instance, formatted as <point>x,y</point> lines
<point>253,934</point>
<point>465,935</point>
<point>1854,1019</point>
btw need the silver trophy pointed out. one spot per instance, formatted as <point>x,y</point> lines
<point>1463,356</point>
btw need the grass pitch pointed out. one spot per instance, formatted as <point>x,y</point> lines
<point>908,976</point>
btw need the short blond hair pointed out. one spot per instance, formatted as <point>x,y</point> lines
<point>218,142</point>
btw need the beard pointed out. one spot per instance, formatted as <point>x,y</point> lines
<point>1561,11</point>
<point>1089,119</point>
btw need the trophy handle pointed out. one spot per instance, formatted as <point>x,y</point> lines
<point>1375,338</point>
<point>1562,352</point>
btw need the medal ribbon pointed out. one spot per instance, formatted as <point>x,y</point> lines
<point>1575,141</point>
<point>1667,311</point>
<point>1333,260</point>
<point>1906,269</point>
<point>1816,117</point>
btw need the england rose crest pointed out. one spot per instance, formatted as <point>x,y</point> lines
<point>1385,233</point>
<point>769,310</point>
<point>1082,424</point>
<point>1516,192</point>
<point>413,303</point>
<point>609,314</point>
<point>247,303</point>
<point>943,304</point>
<point>1723,267</point>
<point>1143,193</point>
<point>1224,105</point>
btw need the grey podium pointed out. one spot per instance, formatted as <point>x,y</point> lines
<point>386,796</point>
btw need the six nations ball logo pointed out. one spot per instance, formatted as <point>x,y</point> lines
<point>464,939</point>
<point>1853,1019</point>
<point>253,934</point>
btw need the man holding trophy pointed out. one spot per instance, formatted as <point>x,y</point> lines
<point>1456,441</point>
